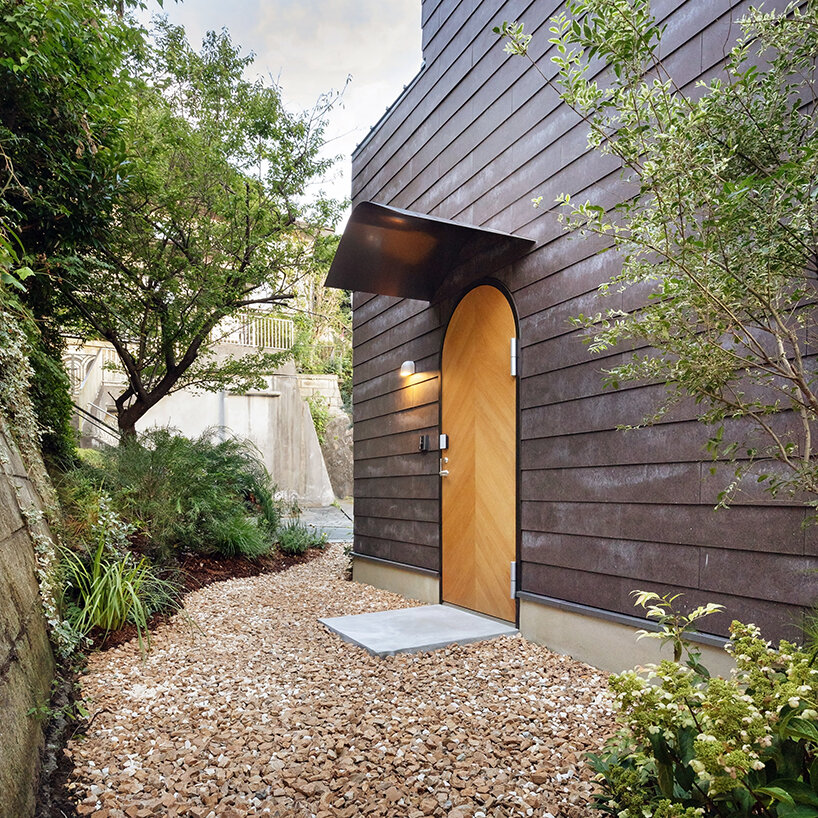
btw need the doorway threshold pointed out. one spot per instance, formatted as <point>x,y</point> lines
<point>410,630</point>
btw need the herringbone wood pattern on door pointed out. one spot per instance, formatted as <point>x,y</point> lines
<point>479,494</point>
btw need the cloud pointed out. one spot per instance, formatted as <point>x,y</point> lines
<point>311,47</point>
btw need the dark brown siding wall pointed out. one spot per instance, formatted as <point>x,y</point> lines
<point>603,511</point>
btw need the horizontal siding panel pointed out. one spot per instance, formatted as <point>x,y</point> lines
<point>613,594</point>
<point>403,310</point>
<point>676,442</point>
<point>405,508</point>
<point>421,556</point>
<point>659,483</point>
<point>390,380</point>
<point>409,420</point>
<point>773,577</point>
<point>415,487</point>
<point>682,441</point>
<point>742,527</point>
<point>405,443</point>
<point>402,531</point>
<point>416,349</point>
<point>372,306</point>
<point>609,411</point>
<point>401,466</point>
<point>583,380</point>
<point>412,394</point>
<point>397,336</point>
<point>646,561</point>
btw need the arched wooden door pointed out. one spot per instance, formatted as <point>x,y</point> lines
<point>479,414</point>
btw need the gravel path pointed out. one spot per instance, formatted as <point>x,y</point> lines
<point>261,711</point>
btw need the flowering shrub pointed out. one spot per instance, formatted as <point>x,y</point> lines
<point>695,746</point>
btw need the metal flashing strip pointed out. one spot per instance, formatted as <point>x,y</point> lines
<point>389,251</point>
<point>388,112</point>
<point>417,569</point>
<point>619,618</point>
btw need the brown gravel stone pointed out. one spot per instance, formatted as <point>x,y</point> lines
<point>260,711</point>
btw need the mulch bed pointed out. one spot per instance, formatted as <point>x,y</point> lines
<point>195,572</point>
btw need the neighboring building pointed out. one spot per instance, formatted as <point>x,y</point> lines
<point>536,473</point>
<point>277,419</point>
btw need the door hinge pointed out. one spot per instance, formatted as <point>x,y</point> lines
<point>513,589</point>
<point>513,357</point>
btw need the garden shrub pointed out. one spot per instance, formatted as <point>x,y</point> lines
<point>193,495</point>
<point>294,539</point>
<point>319,410</point>
<point>694,746</point>
<point>104,585</point>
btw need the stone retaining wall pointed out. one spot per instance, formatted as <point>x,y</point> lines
<point>26,661</point>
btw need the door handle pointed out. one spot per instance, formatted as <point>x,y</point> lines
<point>443,472</point>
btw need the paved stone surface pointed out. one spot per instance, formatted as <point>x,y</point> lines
<point>261,711</point>
<point>334,521</point>
<point>408,630</point>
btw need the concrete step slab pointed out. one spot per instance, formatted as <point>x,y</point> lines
<point>408,630</point>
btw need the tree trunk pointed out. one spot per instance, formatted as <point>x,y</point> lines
<point>126,420</point>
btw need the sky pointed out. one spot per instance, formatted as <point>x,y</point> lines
<point>312,46</point>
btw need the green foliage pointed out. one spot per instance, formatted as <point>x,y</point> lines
<point>294,539</point>
<point>51,398</point>
<point>323,321</point>
<point>73,710</point>
<point>63,102</point>
<point>690,745</point>
<point>719,234</point>
<point>193,495</point>
<point>106,586</point>
<point>212,222</point>
<point>673,625</point>
<point>319,409</point>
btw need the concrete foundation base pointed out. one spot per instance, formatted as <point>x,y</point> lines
<point>603,644</point>
<point>404,581</point>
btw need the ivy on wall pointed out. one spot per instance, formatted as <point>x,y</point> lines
<point>20,428</point>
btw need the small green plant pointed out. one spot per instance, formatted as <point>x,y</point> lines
<point>319,409</point>
<point>106,586</point>
<point>73,710</point>
<point>294,539</point>
<point>674,625</point>
<point>690,745</point>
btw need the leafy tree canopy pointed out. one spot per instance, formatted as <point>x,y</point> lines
<point>214,220</point>
<point>720,233</point>
<point>64,89</point>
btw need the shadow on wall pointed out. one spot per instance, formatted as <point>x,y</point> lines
<point>276,419</point>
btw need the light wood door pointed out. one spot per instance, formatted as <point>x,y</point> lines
<point>479,414</point>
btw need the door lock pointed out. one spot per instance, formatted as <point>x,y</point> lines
<point>443,472</point>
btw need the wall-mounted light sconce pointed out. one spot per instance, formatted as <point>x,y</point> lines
<point>407,368</point>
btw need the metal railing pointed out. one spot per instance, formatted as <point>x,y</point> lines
<point>255,330</point>
<point>103,432</point>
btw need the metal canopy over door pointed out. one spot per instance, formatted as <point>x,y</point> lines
<point>479,415</point>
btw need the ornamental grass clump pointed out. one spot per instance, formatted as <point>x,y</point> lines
<point>105,585</point>
<point>691,745</point>
<point>196,495</point>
